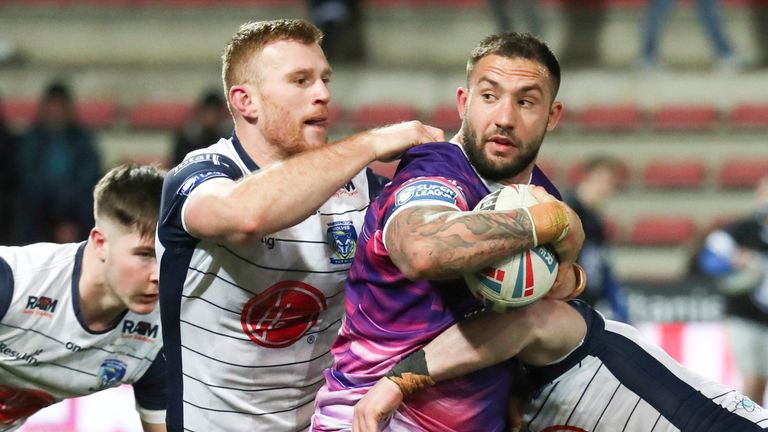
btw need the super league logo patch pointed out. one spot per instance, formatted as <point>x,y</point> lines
<point>342,237</point>
<point>423,189</point>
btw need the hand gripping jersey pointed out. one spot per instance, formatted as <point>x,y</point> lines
<point>47,354</point>
<point>389,316</point>
<point>618,381</point>
<point>249,328</point>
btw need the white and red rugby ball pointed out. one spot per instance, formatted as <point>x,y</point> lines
<point>520,279</point>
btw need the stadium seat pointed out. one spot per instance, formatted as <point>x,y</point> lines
<point>652,230</point>
<point>749,116</point>
<point>375,115</point>
<point>611,118</point>
<point>665,173</point>
<point>742,172</point>
<point>335,115</point>
<point>446,116</point>
<point>685,118</point>
<point>159,115</point>
<point>97,113</point>
<point>19,112</point>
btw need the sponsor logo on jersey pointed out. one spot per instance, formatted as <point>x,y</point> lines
<point>208,157</point>
<point>191,183</point>
<point>110,373</point>
<point>342,237</point>
<point>19,403</point>
<point>42,305</point>
<point>348,189</point>
<point>281,315</point>
<point>141,330</point>
<point>28,358</point>
<point>423,189</point>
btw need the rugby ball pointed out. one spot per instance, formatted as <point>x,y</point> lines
<point>520,279</point>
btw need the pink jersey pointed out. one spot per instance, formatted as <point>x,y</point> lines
<point>389,316</point>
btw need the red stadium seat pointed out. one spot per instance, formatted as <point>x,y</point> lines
<point>375,115</point>
<point>611,118</point>
<point>749,116</point>
<point>159,115</point>
<point>685,118</point>
<point>662,231</point>
<point>612,229</point>
<point>446,116</point>
<point>97,113</point>
<point>335,115</point>
<point>742,172</point>
<point>19,111</point>
<point>674,174</point>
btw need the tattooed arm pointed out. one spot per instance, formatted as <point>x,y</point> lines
<point>438,242</point>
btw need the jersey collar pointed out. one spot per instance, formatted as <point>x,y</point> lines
<point>249,163</point>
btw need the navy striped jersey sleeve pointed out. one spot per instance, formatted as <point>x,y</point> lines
<point>150,389</point>
<point>179,184</point>
<point>6,287</point>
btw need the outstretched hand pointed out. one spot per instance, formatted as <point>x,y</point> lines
<point>378,404</point>
<point>389,142</point>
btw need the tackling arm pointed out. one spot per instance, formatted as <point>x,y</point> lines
<point>538,335</point>
<point>285,193</point>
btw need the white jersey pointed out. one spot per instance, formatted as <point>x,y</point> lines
<point>48,354</point>
<point>248,329</point>
<point>618,381</point>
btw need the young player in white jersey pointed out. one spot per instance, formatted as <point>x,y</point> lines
<point>79,318</point>
<point>256,235</point>
<point>583,373</point>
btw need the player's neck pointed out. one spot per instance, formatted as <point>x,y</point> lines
<point>98,308</point>
<point>257,147</point>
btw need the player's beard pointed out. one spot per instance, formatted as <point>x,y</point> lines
<point>282,130</point>
<point>497,171</point>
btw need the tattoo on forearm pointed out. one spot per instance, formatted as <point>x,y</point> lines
<point>462,239</point>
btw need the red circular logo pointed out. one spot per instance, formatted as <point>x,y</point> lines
<point>281,315</point>
<point>18,403</point>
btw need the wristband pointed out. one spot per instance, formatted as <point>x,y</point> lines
<point>581,281</point>
<point>411,374</point>
<point>549,220</point>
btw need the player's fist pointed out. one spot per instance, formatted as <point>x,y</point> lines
<point>376,406</point>
<point>389,142</point>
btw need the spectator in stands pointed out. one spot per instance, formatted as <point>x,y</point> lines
<point>584,23</point>
<point>710,19</point>
<point>8,142</point>
<point>525,16</point>
<point>59,165</point>
<point>759,13</point>
<point>209,122</point>
<point>600,182</point>
<point>737,256</point>
<point>341,21</point>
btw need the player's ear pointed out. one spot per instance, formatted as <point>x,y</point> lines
<point>242,100</point>
<point>99,241</point>
<point>461,101</point>
<point>554,114</point>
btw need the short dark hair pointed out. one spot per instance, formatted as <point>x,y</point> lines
<point>516,45</point>
<point>130,195</point>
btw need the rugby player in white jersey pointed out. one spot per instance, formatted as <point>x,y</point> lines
<point>81,317</point>
<point>256,235</point>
